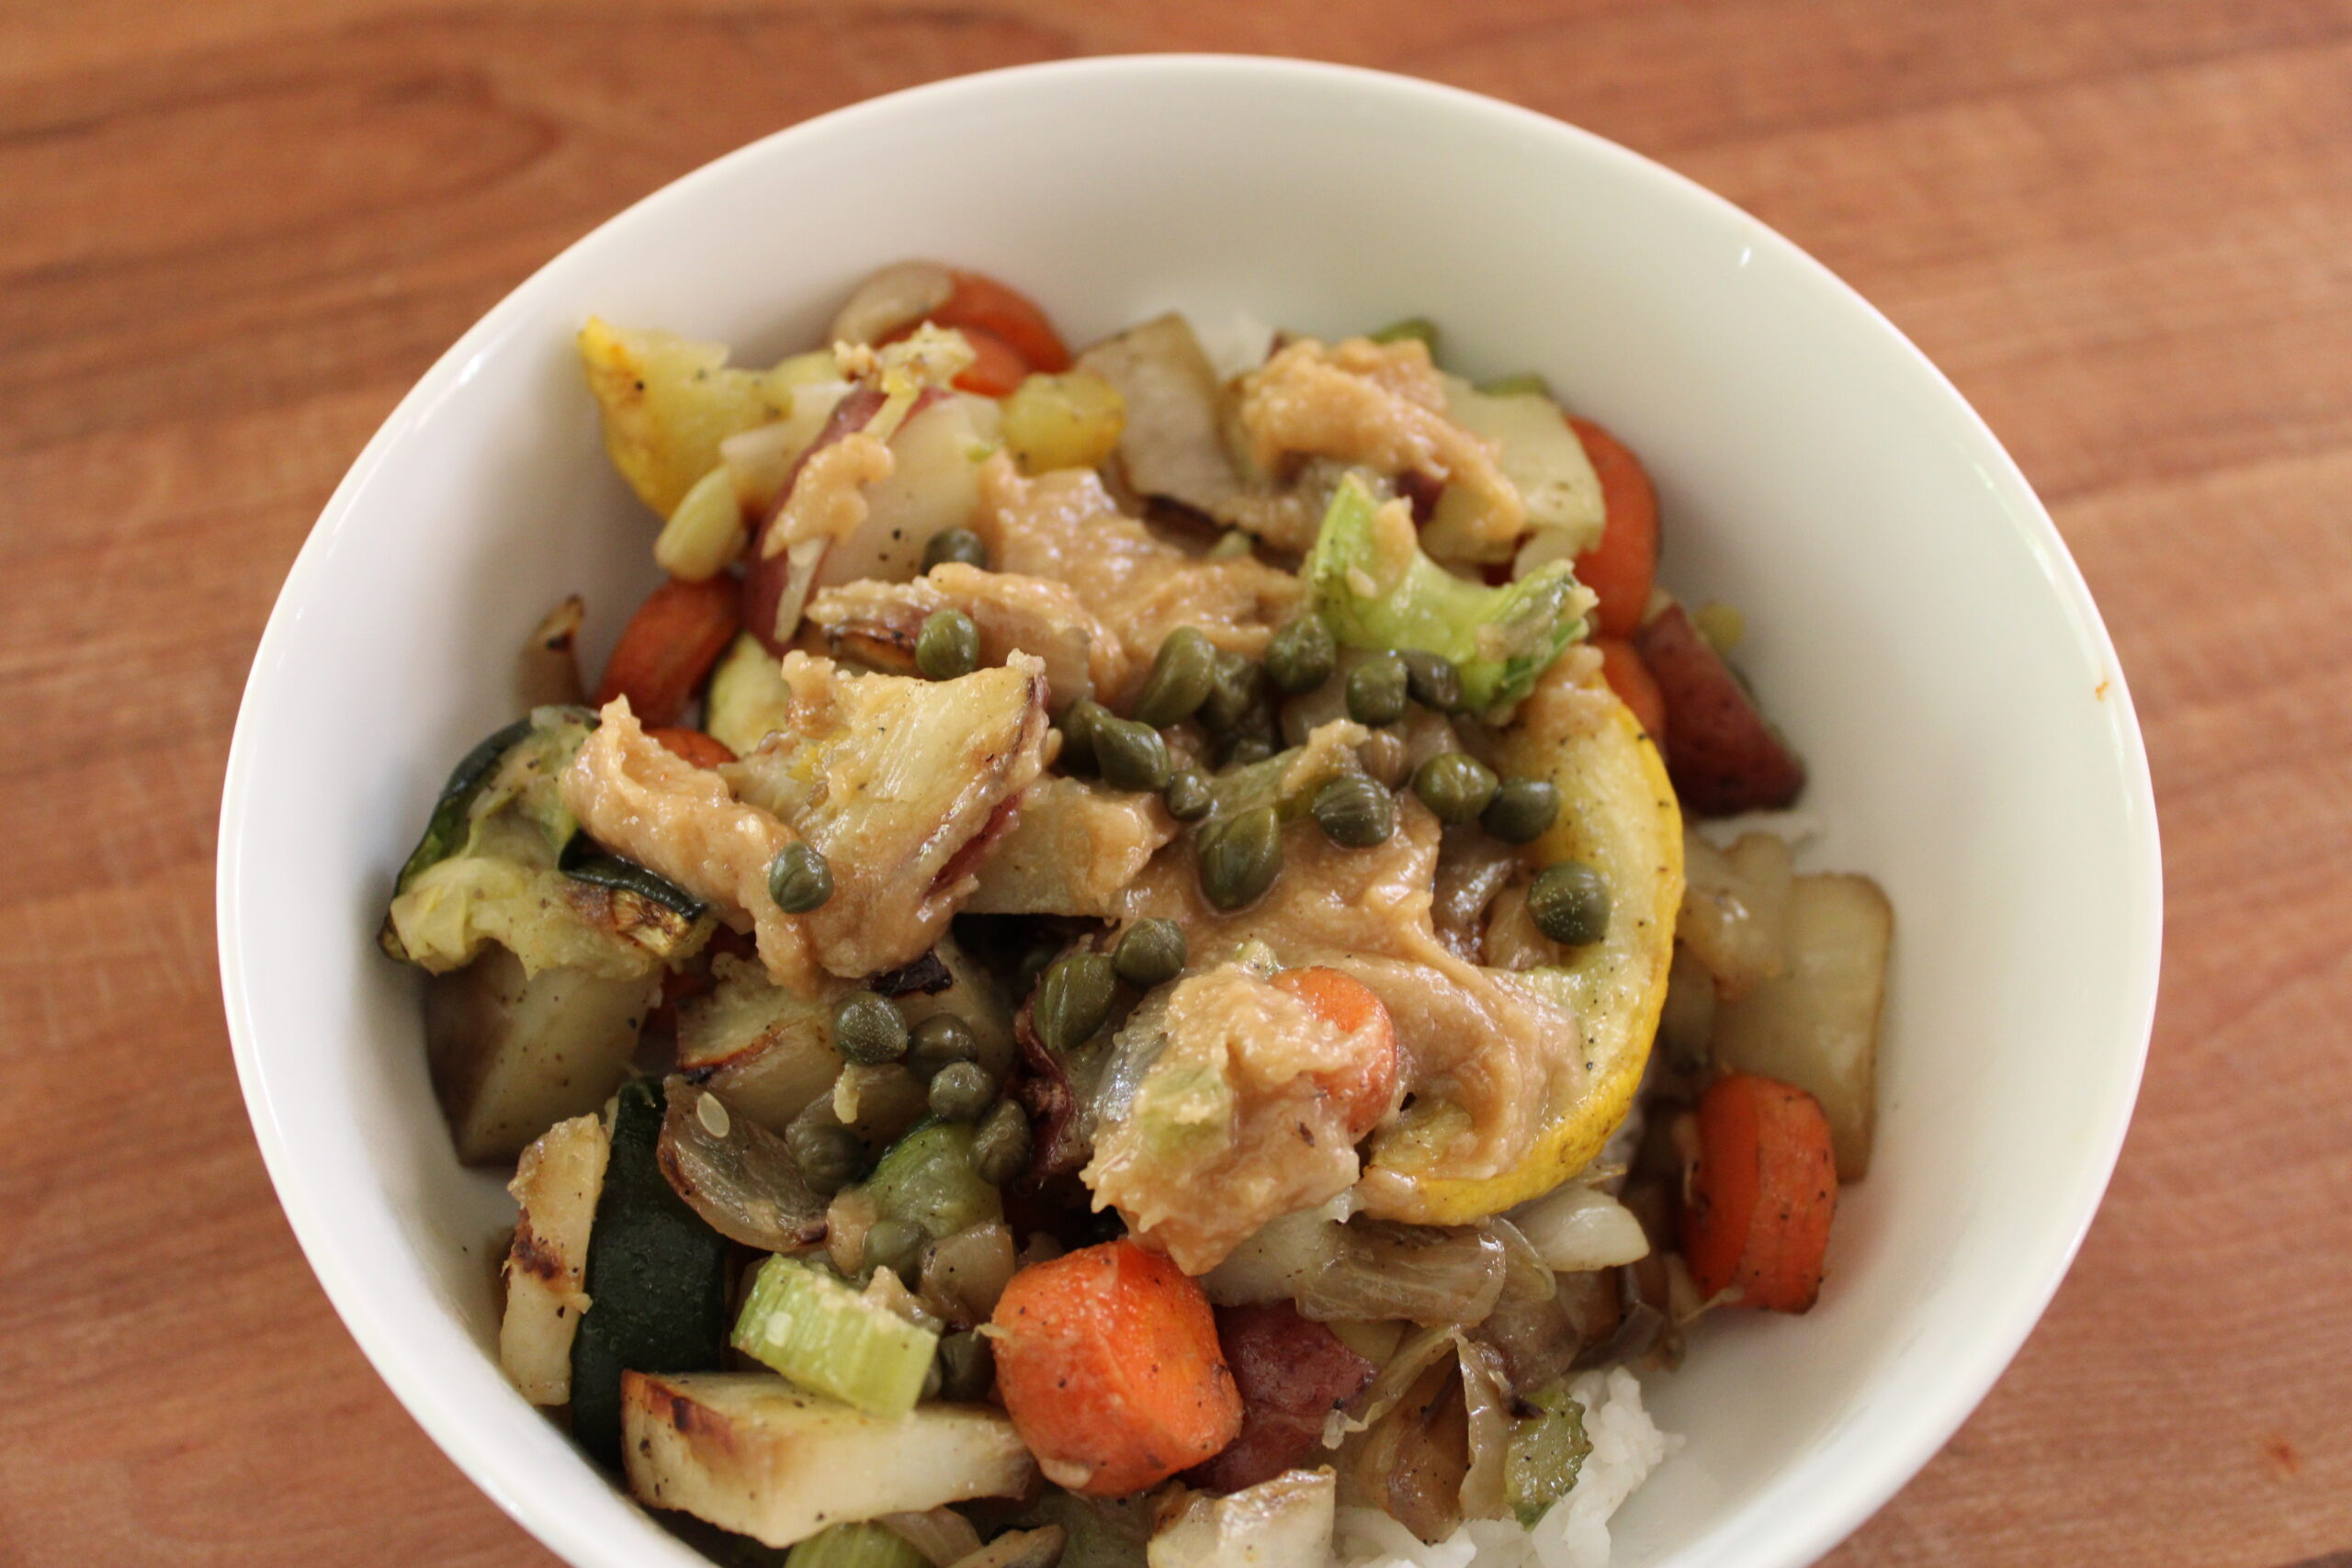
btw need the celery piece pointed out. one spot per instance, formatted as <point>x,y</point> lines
<point>1544,1452</point>
<point>820,1332</point>
<point>1369,580</point>
<point>926,1179</point>
<point>856,1546</point>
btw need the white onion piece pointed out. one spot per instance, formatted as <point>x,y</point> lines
<point>1273,1264</point>
<point>1423,1274</point>
<point>1576,1229</point>
<point>735,1173</point>
<point>940,1534</point>
<point>899,296</point>
<point>964,1274</point>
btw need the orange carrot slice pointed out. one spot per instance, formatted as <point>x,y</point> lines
<point>669,646</point>
<point>1621,568</point>
<point>1109,1364</point>
<point>1757,1216</point>
<point>1634,685</point>
<point>1368,1089</point>
<point>981,303</point>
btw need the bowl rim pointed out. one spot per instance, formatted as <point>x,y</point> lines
<point>1851,1471</point>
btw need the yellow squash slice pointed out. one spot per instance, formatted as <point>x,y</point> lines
<point>1617,815</point>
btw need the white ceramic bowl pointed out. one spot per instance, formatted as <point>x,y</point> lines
<point>1915,624</point>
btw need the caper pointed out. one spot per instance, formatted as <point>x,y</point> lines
<point>1188,796</point>
<point>959,545</point>
<point>1521,810</point>
<point>1131,754</point>
<point>1431,680</point>
<point>869,1029</point>
<point>1076,726</point>
<point>1181,673</point>
<point>1240,856</point>
<point>1301,656</point>
<point>1073,1000</point>
<point>949,645</point>
<point>799,878</point>
<point>940,1041</point>
<point>828,1154</point>
<point>966,1367</point>
<point>1354,811</point>
<point>960,1091</point>
<point>1151,953</point>
<point>1376,690</point>
<point>1569,903</point>
<point>895,1244</point>
<point>1240,751</point>
<point>1000,1144</point>
<point>1237,687</point>
<point>1454,785</point>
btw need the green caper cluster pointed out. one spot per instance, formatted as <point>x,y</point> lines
<point>1073,1000</point>
<point>1182,675</point>
<point>828,1155</point>
<point>966,1367</point>
<point>1238,856</point>
<point>870,1030</point>
<point>1151,952</point>
<point>1354,811</point>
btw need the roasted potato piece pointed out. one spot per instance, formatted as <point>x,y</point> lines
<point>668,401</point>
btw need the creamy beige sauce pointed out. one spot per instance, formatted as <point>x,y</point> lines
<point>1064,525</point>
<point>638,799</point>
<point>1072,850</point>
<point>877,623</point>
<point>828,501</point>
<point>1231,1126</point>
<point>892,779</point>
<point>1381,405</point>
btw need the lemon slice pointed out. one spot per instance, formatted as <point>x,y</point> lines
<point>1619,815</point>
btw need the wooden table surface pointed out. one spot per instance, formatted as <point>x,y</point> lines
<point>233,232</point>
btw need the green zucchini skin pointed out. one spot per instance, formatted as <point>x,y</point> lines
<point>604,870</point>
<point>445,830</point>
<point>657,1279</point>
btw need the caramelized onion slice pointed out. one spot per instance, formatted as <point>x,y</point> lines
<point>735,1173</point>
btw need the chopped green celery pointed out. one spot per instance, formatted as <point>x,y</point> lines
<point>926,1179</point>
<point>1369,580</point>
<point>1420,329</point>
<point>1522,384</point>
<point>816,1330</point>
<point>1545,1453</point>
<point>862,1545</point>
<point>1179,1107</point>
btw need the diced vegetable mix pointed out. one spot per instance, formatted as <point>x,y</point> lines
<point>1319,945</point>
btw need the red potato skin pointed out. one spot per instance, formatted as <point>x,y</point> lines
<point>1724,758</point>
<point>1292,1373</point>
<point>765,576</point>
<point>1758,1218</point>
<point>1108,1362</point>
<point>668,647</point>
<point>1622,567</point>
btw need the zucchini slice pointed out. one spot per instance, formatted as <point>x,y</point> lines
<point>751,1453</point>
<point>657,1279</point>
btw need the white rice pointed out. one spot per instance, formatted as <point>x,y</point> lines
<point>1626,1446</point>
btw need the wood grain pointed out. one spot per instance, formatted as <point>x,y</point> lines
<point>231,233</point>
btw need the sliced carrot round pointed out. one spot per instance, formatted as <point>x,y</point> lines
<point>1368,1089</point>
<point>981,302</point>
<point>1757,1216</point>
<point>1110,1367</point>
<point>996,368</point>
<point>1621,568</point>
<point>1634,685</point>
<point>669,646</point>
